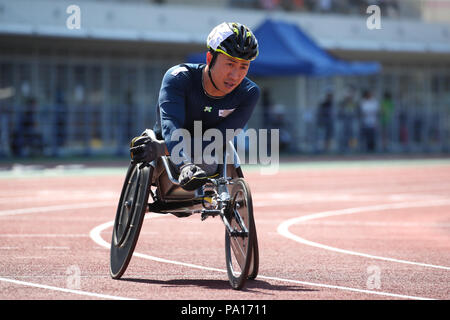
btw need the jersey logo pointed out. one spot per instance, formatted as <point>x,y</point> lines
<point>207,109</point>
<point>226,112</point>
<point>178,70</point>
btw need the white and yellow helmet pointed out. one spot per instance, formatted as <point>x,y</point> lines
<point>234,40</point>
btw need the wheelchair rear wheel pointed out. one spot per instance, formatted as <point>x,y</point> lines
<point>241,258</point>
<point>254,264</point>
<point>129,217</point>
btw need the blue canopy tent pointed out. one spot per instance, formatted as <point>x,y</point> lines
<point>286,50</point>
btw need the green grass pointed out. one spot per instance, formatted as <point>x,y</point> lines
<point>108,166</point>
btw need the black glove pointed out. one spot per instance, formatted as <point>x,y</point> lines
<point>191,177</point>
<point>145,149</point>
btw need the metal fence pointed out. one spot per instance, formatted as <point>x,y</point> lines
<point>406,130</point>
<point>59,130</point>
<point>85,130</point>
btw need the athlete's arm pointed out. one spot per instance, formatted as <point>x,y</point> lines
<point>172,105</point>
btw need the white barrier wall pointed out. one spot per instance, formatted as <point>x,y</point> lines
<point>145,21</point>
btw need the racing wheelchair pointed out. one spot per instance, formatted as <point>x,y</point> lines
<point>153,187</point>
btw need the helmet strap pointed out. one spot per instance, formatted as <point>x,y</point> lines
<point>211,63</point>
<point>212,81</point>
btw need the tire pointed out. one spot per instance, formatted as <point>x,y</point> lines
<point>129,218</point>
<point>254,265</point>
<point>239,251</point>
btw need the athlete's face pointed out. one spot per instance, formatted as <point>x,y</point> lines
<point>228,73</point>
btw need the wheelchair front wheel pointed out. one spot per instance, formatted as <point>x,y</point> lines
<point>129,217</point>
<point>240,254</point>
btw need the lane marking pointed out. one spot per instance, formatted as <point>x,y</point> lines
<point>57,208</point>
<point>283,228</point>
<point>56,198</point>
<point>289,198</point>
<point>97,238</point>
<point>20,172</point>
<point>108,204</point>
<point>79,292</point>
<point>306,198</point>
<point>55,248</point>
<point>109,224</point>
<point>43,235</point>
<point>383,224</point>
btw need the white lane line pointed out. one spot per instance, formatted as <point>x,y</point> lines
<point>79,292</point>
<point>97,238</point>
<point>95,235</point>
<point>382,224</point>
<point>58,196</point>
<point>304,198</point>
<point>57,208</point>
<point>43,235</point>
<point>283,228</point>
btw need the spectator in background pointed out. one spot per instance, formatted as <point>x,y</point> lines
<point>125,119</point>
<point>348,109</point>
<point>267,106</point>
<point>269,4</point>
<point>361,5</point>
<point>387,110</point>
<point>418,122</point>
<point>60,119</point>
<point>5,111</point>
<point>325,120</point>
<point>403,131</point>
<point>274,117</point>
<point>325,6</point>
<point>288,5</point>
<point>299,5</point>
<point>291,5</point>
<point>27,138</point>
<point>309,5</point>
<point>389,8</point>
<point>369,109</point>
<point>279,121</point>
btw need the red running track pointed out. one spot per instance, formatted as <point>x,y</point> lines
<point>330,231</point>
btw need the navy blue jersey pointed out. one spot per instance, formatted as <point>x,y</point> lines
<point>182,100</point>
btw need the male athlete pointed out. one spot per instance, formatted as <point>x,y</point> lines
<point>218,94</point>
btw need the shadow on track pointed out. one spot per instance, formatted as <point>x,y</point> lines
<point>250,285</point>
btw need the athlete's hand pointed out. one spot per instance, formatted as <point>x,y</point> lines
<point>142,149</point>
<point>191,177</point>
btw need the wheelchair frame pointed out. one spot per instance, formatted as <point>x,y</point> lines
<point>224,196</point>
